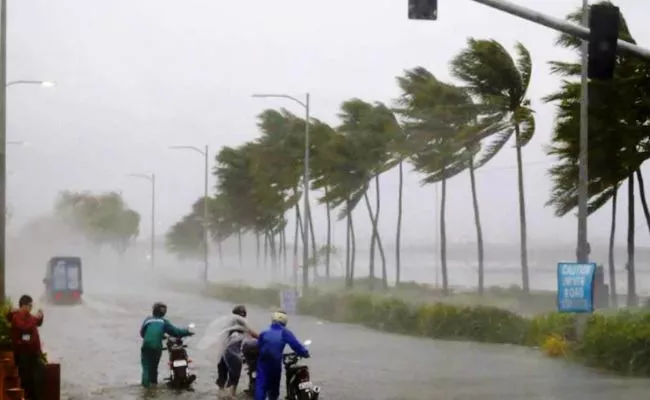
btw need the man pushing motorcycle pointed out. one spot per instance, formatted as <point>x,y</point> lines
<point>271,347</point>
<point>230,364</point>
<point>153,331</point>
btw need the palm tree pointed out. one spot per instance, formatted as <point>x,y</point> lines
<point>618,120</point>
<point>320,162</point>
<point>375,127</point>
<point>500,84</point>
<point>346,178</point>
<point>436,116</point>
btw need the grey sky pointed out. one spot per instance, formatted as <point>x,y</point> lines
<point>135,76</point>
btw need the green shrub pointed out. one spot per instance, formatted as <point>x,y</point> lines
<point>619,342</point>
<point>5,340</point>
<point>245,294</point>
<point>542,326</point>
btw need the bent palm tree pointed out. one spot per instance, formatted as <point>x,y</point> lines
<point>500,84</point>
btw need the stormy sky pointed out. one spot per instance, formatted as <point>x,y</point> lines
<point>136,76</point>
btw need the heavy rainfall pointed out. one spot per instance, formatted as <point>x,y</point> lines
<point>163,145</point>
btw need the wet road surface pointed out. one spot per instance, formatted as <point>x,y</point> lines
<point>98,345</point>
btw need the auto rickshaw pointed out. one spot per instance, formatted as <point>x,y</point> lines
<point>63,284</point>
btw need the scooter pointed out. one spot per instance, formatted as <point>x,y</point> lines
<point>180,377</point>
<point>299,384</point>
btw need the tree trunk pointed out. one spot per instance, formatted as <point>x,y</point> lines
<point>284,249</point>
<point>353,249</point>
<point>644,203</point>
<point>266,249</point>
<point>257,247</point>
<point>384,272</point>
<point>612,266</point>
<point>373,238</point>
<point>525,282</point>
<point>329,238</point>
<point>443,237</point>
<point>398,236</point>
<point>241,262</point>
<point>274,253</point>
<point>348,243</point>
<point>631,272</point>
<point>314,256</point>
<point>294,265</point>
<point>220,251</point>
<point>479,231</point>
<point>278,249</point>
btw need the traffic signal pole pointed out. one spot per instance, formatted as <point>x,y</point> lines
<point>559,25</point>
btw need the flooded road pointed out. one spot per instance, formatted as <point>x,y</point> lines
<point>98,345</point>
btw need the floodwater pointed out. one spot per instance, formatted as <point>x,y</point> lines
<point>98,346</point>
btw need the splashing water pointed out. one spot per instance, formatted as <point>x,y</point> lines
<point>215,337</point>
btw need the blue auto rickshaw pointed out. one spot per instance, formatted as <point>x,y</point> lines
<point>63,283</point>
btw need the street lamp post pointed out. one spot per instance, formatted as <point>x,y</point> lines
<point>152,179</point>
<point>305,232</point>
<point>3,141</point>
<point>206,235</point>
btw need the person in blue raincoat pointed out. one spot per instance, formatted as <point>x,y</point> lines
<point>153,331</point>
<point>271,344</point>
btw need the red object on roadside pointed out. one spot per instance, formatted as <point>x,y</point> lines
<point>52,382</point>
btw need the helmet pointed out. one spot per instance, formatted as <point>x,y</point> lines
<point>159,309</point>
<point>240,310</point>
<point>280,317</point>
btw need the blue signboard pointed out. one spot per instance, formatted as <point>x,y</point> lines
<point>575,287</point>
<point>288,301</point>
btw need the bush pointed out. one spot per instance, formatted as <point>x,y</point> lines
<point>5,340</point>
<point>619,342</point>
<point>245,294</point>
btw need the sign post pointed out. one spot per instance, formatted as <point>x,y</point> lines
<point>289,300</point>
<point>575,291</point>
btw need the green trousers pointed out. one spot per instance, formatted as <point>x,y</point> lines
<point>150,358</point>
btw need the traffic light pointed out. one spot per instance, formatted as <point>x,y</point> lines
<point>423,9</point>
<point>604,22</point>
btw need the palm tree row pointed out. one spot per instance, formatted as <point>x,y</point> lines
<point>441,129</point>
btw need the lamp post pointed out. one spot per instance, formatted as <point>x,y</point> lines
<point>305,232</point>
<point>3,142</point>
<point>206,170</point>
<point>152,179</point>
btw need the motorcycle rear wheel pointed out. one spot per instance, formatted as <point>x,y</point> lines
<point>306,395</point>
<point>179,376</point>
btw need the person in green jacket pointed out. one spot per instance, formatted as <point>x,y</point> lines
<point>153,331</point>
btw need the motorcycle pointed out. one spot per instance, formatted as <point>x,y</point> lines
<point>180,377</point>
<point>250,352</point>
<point>298,380</point>
<point>299,384</point>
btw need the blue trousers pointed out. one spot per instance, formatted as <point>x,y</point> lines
<point>267,385</point>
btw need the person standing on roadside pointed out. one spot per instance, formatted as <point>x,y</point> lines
<point>27,347</point>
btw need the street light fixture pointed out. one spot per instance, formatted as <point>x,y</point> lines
<point>45,84</point>
<point>305,233</point>
<point>205,153</point>
<point>152,179</point>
